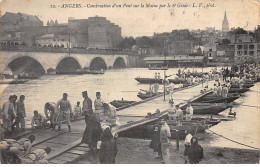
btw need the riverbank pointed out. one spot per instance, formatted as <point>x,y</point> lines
<point>137,151</point>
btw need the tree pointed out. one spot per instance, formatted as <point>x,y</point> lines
<point>144,42</point>
<point>127,43</point>
<point>239,31</point>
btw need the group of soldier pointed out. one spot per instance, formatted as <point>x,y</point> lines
<point>20,151</point>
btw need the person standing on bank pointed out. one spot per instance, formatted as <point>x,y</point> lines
<point>21,114</point>
<point>92,133</point>
<point>64,108</point>
<point>165,133</point>
<point>8,113</point>
<point>108,148</point>
<point>195,152</point>
<point>14,119</point>
<point>99,109</point>
<point>155,142</point>
<point>87,106</point>
<point>187,144</point>
<point>179,115</point>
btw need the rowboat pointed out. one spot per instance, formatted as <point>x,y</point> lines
<point>246,85</point>
<point>210,98</point>
<point>95,72</point>
<point>160,81</point>
<point>13,81</point>
<point>194,127</point>
<point>92,72</point>
<point>208,108</point>
<point>121,103</point>
<point>158,68</point>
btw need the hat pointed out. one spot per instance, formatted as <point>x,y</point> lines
<point>85,92</point>
<point>97,93</point>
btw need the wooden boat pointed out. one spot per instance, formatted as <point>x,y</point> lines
<point>194,127</point>
<point>207,108</point>
<point>121,103</point>
<point>238,90</point>
<point>153,80</point>
<point>210,98</point>
<point>95,72</point>
<point>246,85</point>
<point>13,81</point>
<point>7,76</point>
<point>148,80</point>
<point>177,80</point>
<point>158,68</point>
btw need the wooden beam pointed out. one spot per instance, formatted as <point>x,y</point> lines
<point>63,149</point>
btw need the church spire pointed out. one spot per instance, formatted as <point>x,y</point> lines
<point>225,26</point>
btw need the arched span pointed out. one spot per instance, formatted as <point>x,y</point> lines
<point>26,65</point>
<point>68,65</point>
<point>119,63</point>
<point>97,64</point>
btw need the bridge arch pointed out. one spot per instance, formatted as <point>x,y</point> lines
<point>97,64</point>
<point>68,64</point>
<point>119,63</point>
<point>26,64</point>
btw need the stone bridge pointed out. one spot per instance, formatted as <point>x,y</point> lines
<point>41,62</point>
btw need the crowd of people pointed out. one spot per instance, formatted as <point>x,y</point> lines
<point>102,121</point>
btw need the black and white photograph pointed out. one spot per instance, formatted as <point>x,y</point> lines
<point>129,82</point>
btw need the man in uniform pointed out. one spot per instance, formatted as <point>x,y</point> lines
<point>38,156</point>
<point>37,120</point>
<point>21,148</point>
<point>179,115</point>
<point>87,106</point>
<point>51,114</point>
<point>224,91</point>
<point>171,89</point>
<point>64,108</point>
<point>172,111</point>
<point>21,114</point>
<point>219,90</point>
<point>189,112</point>
<point>8,113</point>
<point>156,88</point>
<point>99,108</point>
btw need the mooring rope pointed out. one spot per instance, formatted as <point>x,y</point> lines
<point>230,139</point>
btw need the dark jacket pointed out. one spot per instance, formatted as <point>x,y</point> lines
<point>92,131</point>
<point>108,148</point>
<point>155,142</point>
<point>195,152</point>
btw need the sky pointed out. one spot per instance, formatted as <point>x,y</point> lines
<point>142,21</point>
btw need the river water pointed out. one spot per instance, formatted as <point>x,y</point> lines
<point>120,83</point>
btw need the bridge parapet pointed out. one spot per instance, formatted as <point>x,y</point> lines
<point>25,48</point>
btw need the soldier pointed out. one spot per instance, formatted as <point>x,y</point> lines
<point>8,114</point>
<point>21,114</point>
<point>63,107</point>
<point>51,114</point>
<point>38,156</point>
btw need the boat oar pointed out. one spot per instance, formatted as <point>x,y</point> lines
<point>131,91</point>
<point>254,91</point>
